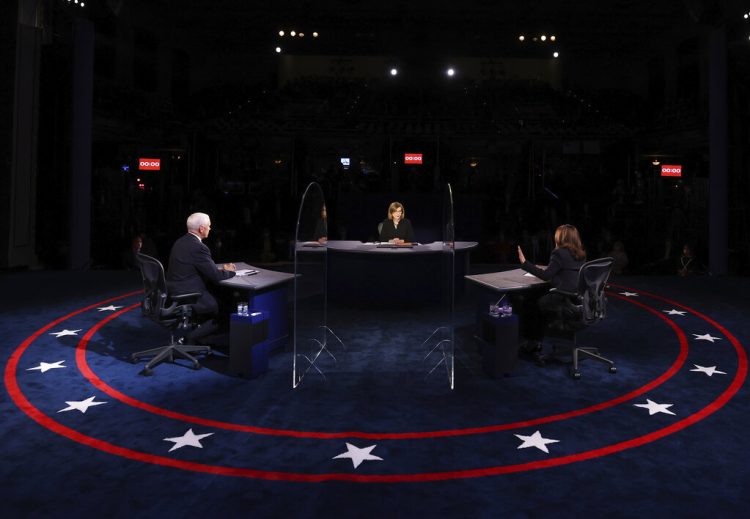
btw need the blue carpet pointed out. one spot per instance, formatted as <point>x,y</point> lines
<point>662,436</point>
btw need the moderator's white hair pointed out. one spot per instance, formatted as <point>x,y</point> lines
<point>195,220</point>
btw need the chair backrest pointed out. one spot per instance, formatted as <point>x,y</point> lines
<point>154,286</point>
<point>592,279</point>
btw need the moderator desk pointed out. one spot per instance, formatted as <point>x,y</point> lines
<point>391,275</point>
<point>266,290</point>
<point>499,335</point>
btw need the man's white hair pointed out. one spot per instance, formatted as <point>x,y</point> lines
<point>195,220</point>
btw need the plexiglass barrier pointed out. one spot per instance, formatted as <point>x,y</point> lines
<point>312,336</point>
<point>441,343</point>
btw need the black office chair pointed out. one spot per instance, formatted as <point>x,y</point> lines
<point>173,311</point>
<point>586,306</point>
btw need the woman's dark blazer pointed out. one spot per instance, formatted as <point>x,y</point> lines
<point>403,231</point>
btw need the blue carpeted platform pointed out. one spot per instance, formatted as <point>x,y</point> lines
<point>379,436</point>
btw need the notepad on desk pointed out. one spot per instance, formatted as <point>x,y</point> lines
<point>312,244</point>
<point>386,245</point>
<point>246,272</point>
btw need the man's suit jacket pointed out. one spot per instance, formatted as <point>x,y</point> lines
<point>192,269</point>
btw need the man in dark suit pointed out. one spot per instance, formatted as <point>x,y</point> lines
<point>192,269</point>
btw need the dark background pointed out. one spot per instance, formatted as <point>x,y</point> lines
<point>527,141</point>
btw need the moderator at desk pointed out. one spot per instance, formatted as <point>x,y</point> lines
<point>383,273</point>
<point>499,335</point>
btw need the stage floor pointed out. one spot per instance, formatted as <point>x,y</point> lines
<point>659,436</point>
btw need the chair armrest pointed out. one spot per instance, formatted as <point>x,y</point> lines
<point>184,299</point>
<point>563,292</point>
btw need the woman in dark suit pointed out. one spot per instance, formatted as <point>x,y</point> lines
<point>396,228</point>
<point>562,273</point>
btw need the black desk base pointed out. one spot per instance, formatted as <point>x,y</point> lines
<point>248,344</point>
<point>499,343</point>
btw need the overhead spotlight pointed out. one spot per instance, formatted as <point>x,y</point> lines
<point>394,71</point>
<point>278,50</point>
<point>745,16</point>
<point>521,38</point>
<point>552,38</point>
<point>281,33</point>
<point>292,33</point>
<point>301,35</point>
<point>656,162</point>
<point>451,72</point>
<point>315,34</point>
<point>543,37</point>
<point>556,54</point>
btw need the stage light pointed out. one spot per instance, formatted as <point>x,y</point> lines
<point>302,35</point>
<point>281,33</point>
<point>278,50</point>
<point>552,38</point>
<point>451,72</point>
<point>394,72</point>
<point>521,38</point>
<point>315,34</point>
<point>292,33</point>
<point>544,37</point>
<point>656,162</point>
<point>556,54</point>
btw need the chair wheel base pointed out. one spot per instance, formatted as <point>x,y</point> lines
<point>612,369</point>
<point>147,372</point>
<point>575,374</point>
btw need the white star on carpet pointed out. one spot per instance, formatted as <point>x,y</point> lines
<point>189,439</point>
<point>708,370</point>
<point>706,337</point>
<point>64,333</point>
<point>674,312</point>
<point>654,408</point>
<point>81,405</point>
<point>111,308</point>
<point>629,294</point>
<point>46,366</point>
<point>358,455</point>
<point>535,440</point>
